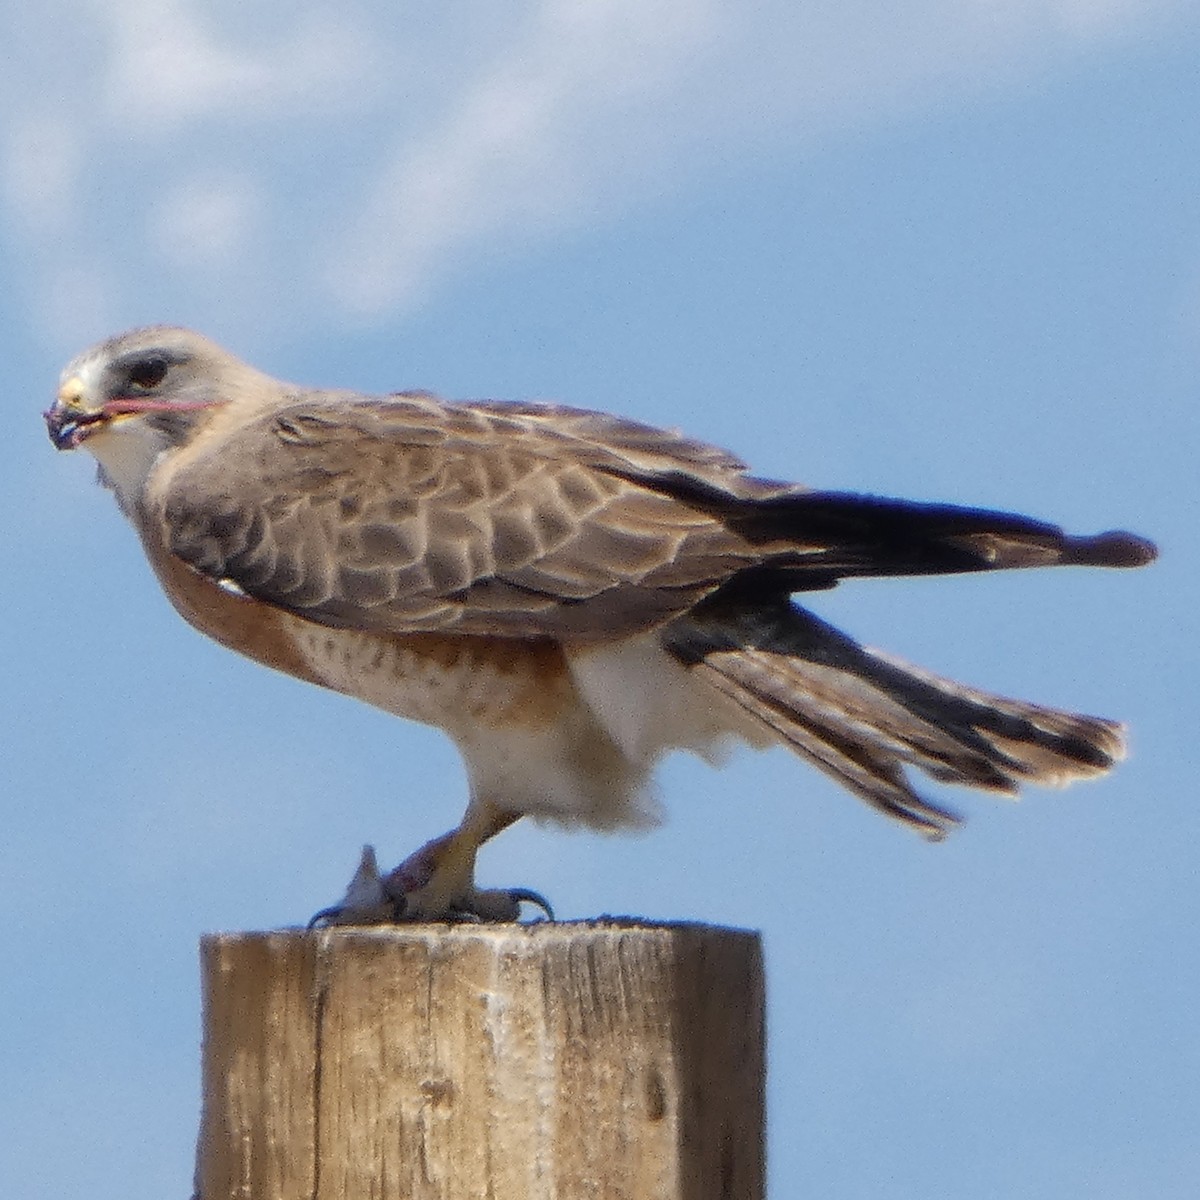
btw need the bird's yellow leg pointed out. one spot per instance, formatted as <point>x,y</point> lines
<point>436,882</point>
<point>438,878</point>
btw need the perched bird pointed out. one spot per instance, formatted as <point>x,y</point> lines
<point>569,595</point>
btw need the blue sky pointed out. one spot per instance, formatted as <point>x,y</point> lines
<point>949,251</point>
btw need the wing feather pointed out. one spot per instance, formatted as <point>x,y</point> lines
<point>407,514</point>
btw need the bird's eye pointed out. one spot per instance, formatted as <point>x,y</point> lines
<point>148,373</point>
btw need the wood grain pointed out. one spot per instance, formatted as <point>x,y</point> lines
<point>600,1060</point>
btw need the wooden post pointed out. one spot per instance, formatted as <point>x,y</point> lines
<point>600,1060</point>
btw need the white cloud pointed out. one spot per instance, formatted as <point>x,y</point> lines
<point>593,104</point>
<point>520,146</point>
<point>352,157</point>
<point>42,161</point>
<point>76,299</point>
<point>168,67</point>
<point>206,222</point>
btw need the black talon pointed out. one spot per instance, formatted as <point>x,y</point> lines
<point>527,896</point>
<point>490,913</point>
<point>325,914</point>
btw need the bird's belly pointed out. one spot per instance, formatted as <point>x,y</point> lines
<point>456,683</point>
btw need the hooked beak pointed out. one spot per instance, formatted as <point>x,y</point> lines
<point>68,421</point>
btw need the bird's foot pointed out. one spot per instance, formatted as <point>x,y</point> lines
<point>493,905</point>
<point>419,889</point>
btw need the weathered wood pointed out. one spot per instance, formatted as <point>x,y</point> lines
<point>607,1061</point>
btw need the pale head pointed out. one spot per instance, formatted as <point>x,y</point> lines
<point>136,395</point>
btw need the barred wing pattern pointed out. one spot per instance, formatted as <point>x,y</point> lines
<point>408,514</point>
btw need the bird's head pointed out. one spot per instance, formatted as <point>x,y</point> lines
<point>158,378</point>
<point>138,394</point>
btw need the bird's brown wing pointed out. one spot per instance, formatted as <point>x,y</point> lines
<point>406,514</point>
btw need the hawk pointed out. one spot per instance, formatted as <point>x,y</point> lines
<point>568,594</point>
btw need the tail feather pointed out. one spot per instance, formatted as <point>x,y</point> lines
<point>908,537</point>
<point>813,538</point>
<point>868,769</point>
<point>862,717</point>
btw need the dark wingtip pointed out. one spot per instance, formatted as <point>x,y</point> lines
<point>1116,548</point>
